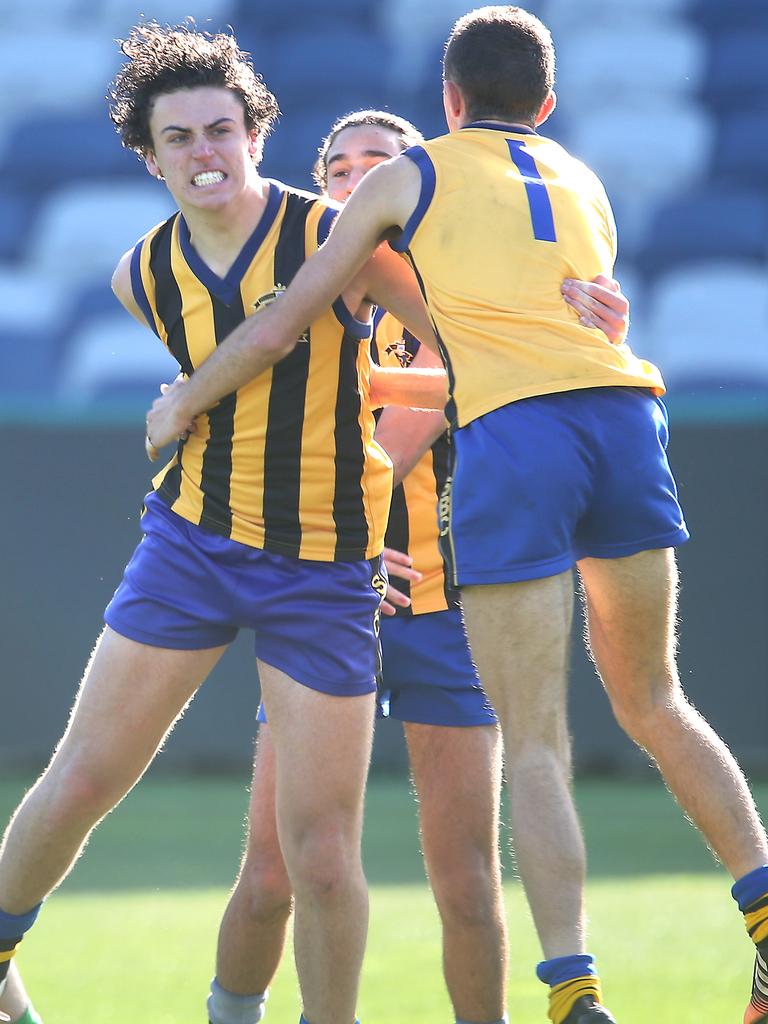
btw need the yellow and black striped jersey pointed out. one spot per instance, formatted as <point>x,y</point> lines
<point>504,215</point>
<point>288,463</point>
<point>413,524</point>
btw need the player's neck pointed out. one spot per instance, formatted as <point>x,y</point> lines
<point>218,235</point>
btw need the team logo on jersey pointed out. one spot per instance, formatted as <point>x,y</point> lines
<point>379,584</point>
<point>268,298</point>
<point>444,508</point>
<point>400,352</point>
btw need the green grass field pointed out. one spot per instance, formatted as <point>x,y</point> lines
<point>131,935</point>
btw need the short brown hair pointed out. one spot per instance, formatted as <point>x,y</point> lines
<point>166,58</point>
<point>503,61</point>
<point>408,134</point>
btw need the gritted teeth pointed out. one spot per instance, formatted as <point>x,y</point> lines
<point>208,178</point>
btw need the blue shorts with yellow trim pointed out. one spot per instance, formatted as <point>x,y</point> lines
<point>543,482</point>
<point>186,588</point>
<point>429,676</point>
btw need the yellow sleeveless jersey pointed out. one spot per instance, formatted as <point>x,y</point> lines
<point>503,217</point>
<point>413,525</point>
<point>287,463</point>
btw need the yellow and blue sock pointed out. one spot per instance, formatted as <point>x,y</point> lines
<point>751,895</point>
<point>13,928</point>
<point>569,978</point>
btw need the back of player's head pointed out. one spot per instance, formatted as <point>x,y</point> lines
<point>503,61</point>
<point>407,134</point>
<point>165,58</point>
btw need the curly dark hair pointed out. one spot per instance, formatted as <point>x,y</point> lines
<point>408,134</point>
<point>165,58</point>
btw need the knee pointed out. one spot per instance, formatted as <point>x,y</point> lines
<point>264,887</point>
<point>322,862</point>
<point>468,892</point>
<point>649,711</point>
<point>77,790</point>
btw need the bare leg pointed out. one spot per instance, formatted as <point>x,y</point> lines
<point>322,746</point>
<point>631,608</point>
<point>252,932</point>
<point>130,697</point>
<point>519,634</point>
<point>457,774</point>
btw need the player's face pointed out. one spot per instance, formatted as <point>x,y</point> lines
<point>354,152</point>
<point>202,147</point>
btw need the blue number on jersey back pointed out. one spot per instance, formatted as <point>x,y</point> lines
<point>538,198</point>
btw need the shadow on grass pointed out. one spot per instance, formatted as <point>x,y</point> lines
<point>183,833</point>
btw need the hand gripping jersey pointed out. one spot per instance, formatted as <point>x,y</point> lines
<point>288,463</point>
<point>413,524</point>
<point>503,217</point>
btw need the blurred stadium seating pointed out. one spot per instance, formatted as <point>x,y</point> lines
<point>666,99</point>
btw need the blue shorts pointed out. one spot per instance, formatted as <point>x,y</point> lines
<point>541,483</point>
<point>188,589</point>
<point>428,672</point>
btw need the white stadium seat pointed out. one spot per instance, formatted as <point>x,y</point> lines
<point>59,69</point>
<point>709,321</point>
<point>107,352</point>
<point>84,229</point>
<point>30,300</point>
<point>565,15</point>
<point>598,63</point>
<point>643,154</point>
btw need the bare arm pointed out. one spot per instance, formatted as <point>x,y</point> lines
<point>406,434</point>
<point>121,286</point>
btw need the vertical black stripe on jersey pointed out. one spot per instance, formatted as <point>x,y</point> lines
<point>216,470</point>
<point>442,461</point>
<point>287,398</point>
<point>398,536</point>
<point>450,408</point>
<point>168,301</point>
<point>348,504</point>
<point>168,305</point>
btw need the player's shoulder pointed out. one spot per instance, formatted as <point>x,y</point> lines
<point>300,197</point>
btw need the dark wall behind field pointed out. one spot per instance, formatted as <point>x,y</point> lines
<point>69,521</point>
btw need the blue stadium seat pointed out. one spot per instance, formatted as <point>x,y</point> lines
<point>716,16</point>
<point>302,65</point>
<point>29,364</point>
<point>265,19</point>
<point>737,75</point>
<point>45,152</point>
<point>741,150</point>
<point>16,214</point>
<point>709,224</point>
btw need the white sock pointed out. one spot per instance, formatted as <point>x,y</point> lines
<point>227,1008</point>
